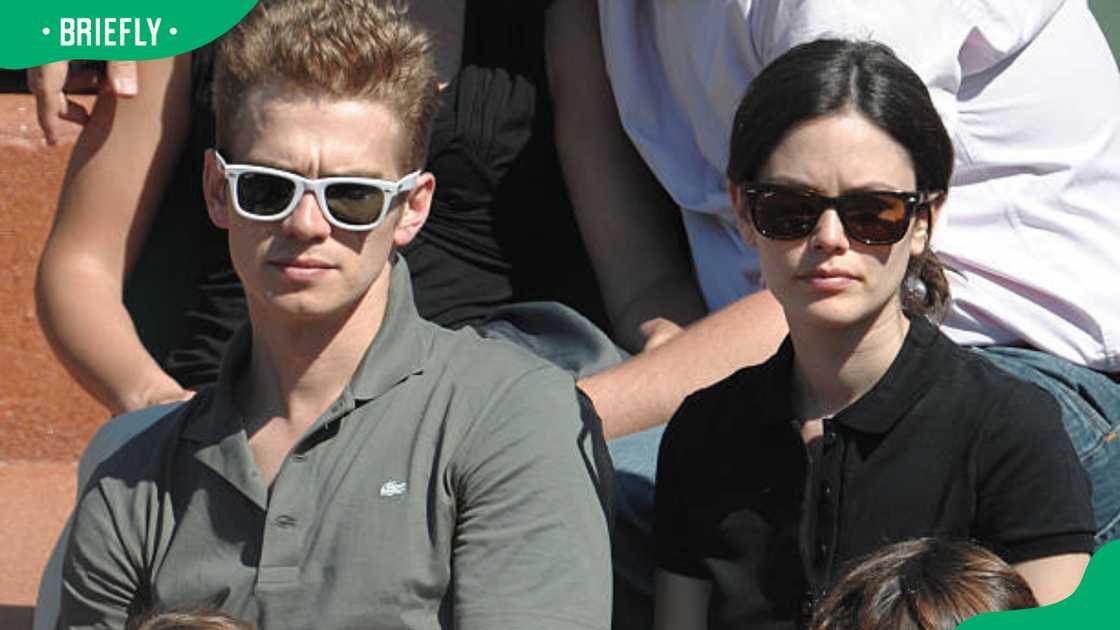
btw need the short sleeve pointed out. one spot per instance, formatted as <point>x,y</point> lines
<point>1034,498</point>
<point>100,581</point>
<point>671,532</point>
<point>531,546</point>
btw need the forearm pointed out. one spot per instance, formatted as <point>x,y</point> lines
<point>645,391</point>
<point>680,602</point>
<point>116,176</point>
<point>1054,578</point>
<point>631,227</point>
<point>98,345</point>
<point>674,298</point>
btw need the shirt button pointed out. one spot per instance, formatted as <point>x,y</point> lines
<point>826,489</point>
<point>822,551</point>
<point>829,438</point>
<point>285,522</point>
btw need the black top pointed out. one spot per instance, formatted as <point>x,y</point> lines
<point>944,445</point>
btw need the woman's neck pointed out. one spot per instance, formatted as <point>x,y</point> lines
<point>835,367</point>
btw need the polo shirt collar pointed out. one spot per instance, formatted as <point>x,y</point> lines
<point>906,380</point>
<point>218,427</point>
<point>398,351</point>
<point>401,344</point>
<point>776,394</point>
<point>883,405</point>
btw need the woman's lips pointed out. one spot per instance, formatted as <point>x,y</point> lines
<point>828,280</point>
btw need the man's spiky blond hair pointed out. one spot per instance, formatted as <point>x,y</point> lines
<point>340,49</point>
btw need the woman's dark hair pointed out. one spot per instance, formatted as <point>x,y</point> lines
<point>925,584</point>
<point>831,76</point>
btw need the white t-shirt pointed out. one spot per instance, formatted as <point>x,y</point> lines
<point>1028,90</point>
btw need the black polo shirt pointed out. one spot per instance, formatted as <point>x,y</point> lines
<point>944,445</point>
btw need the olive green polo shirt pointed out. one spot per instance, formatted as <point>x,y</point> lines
<point>449,486</point>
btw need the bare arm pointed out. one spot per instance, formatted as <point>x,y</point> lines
<point>680,603</point>
<point>117,173</point>
<point>1055,578</point>
<point>635,237</point>
<point>645,391</point>
<point>631,227</point>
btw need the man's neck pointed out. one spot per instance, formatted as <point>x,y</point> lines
<point>298,367</point>
<point>834,368</point>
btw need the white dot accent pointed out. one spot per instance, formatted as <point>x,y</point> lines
<point>46,30</point>
<point>174,31</point>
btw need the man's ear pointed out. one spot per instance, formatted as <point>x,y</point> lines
<point>923,226</point>
<point>414,212</point>
<point>215,189</point>
<point>746,230</point>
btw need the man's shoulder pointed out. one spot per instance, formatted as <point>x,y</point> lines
<point>468,359</point>
<point>493,387</point>
<point>135,446</point>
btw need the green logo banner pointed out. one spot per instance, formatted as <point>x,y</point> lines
<point>1090,608</point>
<point>35,33</point>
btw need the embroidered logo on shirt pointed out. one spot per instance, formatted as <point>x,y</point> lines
<point>393,488</point>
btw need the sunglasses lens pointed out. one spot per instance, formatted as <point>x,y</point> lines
<point>785,214</point>
<point>264,195</point>
<point>355,204</point>
<point>875,219</point>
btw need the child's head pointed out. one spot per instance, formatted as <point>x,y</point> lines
<point>925,584</point>
<point>190,619</point>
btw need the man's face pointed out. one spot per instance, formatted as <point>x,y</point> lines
<point>302,266</point>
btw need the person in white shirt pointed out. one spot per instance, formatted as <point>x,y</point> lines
<point>1029,92</point>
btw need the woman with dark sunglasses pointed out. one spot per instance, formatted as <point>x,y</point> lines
<point>868,426</point>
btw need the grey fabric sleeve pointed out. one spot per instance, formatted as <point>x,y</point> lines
<point>531,548</point>
<point>100,578</point>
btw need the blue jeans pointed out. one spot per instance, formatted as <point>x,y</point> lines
<point>555,333</point>
<point>1090,404</point>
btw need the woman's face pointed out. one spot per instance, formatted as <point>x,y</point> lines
<point>827,279</point>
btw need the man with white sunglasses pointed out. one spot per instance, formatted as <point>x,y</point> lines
<point>355,466</point>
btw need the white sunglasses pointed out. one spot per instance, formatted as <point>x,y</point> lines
<point>359,204</point>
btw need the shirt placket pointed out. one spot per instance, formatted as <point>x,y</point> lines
<point>818,528</point>
<point>828,503</point>
<point>291,508</point>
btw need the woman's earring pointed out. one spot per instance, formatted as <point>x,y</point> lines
<point>915,289</point>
